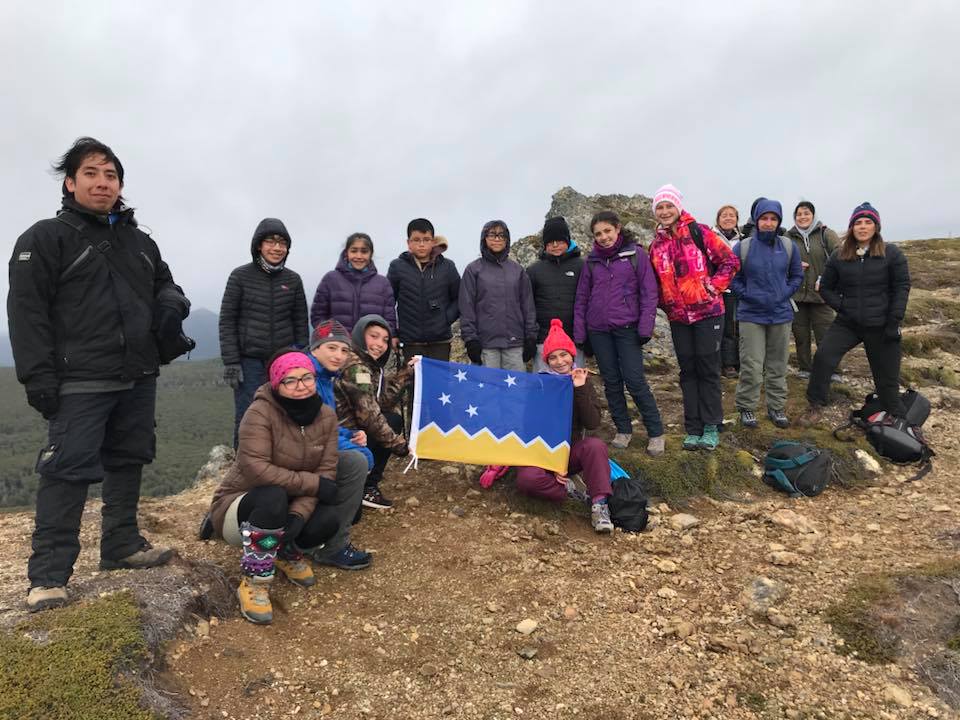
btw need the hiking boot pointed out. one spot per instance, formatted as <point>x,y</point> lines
<point>803,374</point>
<point>254,597</point>
<point>778,418</point>
<point>373,498</point>
<point>656,446</point>
<point>691,442</point>
<point>44,598</point>
<point>291,563</point>
<point>811,416</point>
<point>600,518</point>
<point>730,372</point>
<point>577,489</point>
<point>146,557</point>
<point>621,440</point>
<point>748,418</point>
<point>349,558</point>
<point>710,438</point>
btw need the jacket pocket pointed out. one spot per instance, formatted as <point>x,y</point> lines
<point>82,259</point>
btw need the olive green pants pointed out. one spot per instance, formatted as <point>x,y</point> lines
<point>810,321</point>
<point>764,351</point>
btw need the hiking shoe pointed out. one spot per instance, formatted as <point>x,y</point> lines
<point>748,418</point>
<point>44,598</point>
<point>146,557</point>
<point>656,446</point>
<point>577,489</point>
<point>803,374</point>
<point>811,416</point>
<point>292,564</point>
<point>778,418</point>
<point>691,442</point>
<point>730,372</point>
<point>254,597</point>
<point>710,438</point>
<point>600,518</point>
<point>349,558</point>
<point>621,440</point>
<point>373,498</point>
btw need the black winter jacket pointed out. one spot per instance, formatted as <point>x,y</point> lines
<point>554,281</point>
<point>868,291</point>
<point>72,315</point>
<point>262,312</point>
<point>427,299</point>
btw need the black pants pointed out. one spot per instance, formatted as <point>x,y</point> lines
<point>882,354</point>
<point>267,507</point>
<point>94,437</point>
<point>730,342</point>
<point>697,347</point>
<point>382,454</point>
<point>433,350</point>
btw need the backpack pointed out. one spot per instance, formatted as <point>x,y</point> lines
<point>900,440</point>
<point>798,469</point>
<point>787,243</point>
<point>628,503</point>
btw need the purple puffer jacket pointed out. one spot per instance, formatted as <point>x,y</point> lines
<point>346,295</point>
<point>616,292</point>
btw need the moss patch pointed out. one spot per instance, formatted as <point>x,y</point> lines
<point>855,620</point>
<point>920,376</point>
<point>924,308</point>
<point>70,663</point>
<point>934,263</point>
<point>928,343</point>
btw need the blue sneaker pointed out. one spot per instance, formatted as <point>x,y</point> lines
<point>349,558</point>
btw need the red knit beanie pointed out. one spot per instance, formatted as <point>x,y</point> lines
<point>557,339</point>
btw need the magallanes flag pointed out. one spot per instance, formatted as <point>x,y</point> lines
<point>487,416</point>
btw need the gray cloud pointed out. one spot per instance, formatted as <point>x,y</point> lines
<point>344,117</point>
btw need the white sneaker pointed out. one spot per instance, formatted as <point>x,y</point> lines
<point>600,518</point>
<point>621,440</point>
<point>656,446</point>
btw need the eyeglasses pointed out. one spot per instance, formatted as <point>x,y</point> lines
<point>420,241</point>
<point>308,380</point>
<point>275,242</point>
<point>556,242</point>
<point>496,236</point>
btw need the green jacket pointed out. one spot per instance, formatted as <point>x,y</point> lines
<point>820,244</point>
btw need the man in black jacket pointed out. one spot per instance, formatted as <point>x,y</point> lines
<point>426,288</point>
<point>264,309</point>
<point>554,279</point>
<point>91,307</point>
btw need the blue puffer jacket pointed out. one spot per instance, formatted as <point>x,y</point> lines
<point>325,380</point>
<point>768,276</point>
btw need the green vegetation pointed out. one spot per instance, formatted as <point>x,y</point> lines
<point>75,663</point>
<point>934,263</point>
<point>194,413</point>
<point>930,375</point>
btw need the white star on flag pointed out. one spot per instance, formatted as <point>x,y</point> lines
<point>472,410</point>
<point>444,399</point>
<point>511,380</point>
<point>461,376</point>
<point>479,385</point>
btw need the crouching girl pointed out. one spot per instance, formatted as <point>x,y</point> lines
<point>588,455</point>
<point>276,497</point>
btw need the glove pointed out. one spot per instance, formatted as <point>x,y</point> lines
<point>46,402</point>
<point>233,375</point>
<point>529,349</point>
<point>891,333</point>
<point>473,351</point>
<point>401,451</point>
<point>169,322</point>
<point>644,339</point>
<point>587,348</point>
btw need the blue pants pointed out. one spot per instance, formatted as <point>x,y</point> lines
<point>620,359</point>
<point>254,375</point>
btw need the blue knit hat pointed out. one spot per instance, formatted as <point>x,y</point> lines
<point>865,210</point>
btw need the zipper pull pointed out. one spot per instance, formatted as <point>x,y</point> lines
<point>302,433</point>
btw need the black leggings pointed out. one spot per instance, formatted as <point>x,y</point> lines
<point>267,507</point>
<point>381,454</point>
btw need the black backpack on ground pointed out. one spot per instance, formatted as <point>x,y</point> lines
<point>798,469</point>
<point>628,505</point>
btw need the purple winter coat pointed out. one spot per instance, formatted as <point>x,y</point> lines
<point>613,294</point>
<point>346,295</point>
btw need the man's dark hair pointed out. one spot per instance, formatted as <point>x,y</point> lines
<point>70,161</point>
<point>419,225</point>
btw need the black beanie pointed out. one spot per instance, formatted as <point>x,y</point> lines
<point>556,228</point>
<point>807,204</point>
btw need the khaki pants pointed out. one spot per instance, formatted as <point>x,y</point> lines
<point>764,350</point>
<point>810,321</point>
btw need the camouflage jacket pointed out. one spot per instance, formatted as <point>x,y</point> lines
<point>364,391</point>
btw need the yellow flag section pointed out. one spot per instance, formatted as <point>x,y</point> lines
<point>488,416</point>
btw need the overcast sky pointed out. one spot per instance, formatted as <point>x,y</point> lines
<point>343,117</point>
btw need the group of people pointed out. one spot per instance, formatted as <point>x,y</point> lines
<point>316,412</point>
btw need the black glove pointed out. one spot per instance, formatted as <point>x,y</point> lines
<point>529,349</point>
<point>233,375</point>
<point>169,322</point>
<point>473,351</point>
<point>46,402</point>
<point>644,339</point>
<point>587,348</point>
<point>891,333</point>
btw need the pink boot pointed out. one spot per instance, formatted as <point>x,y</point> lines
<point>491,474</point>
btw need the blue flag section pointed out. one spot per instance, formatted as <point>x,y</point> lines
<point>486,416</point>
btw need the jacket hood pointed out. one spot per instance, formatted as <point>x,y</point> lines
<point>485,252</point>
<point>360,345</point>
<point>267,226</point>
<point>123,212</point>
<point>766,205</point>
<point>573,251</point>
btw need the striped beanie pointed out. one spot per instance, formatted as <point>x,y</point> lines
<point>865,210</point>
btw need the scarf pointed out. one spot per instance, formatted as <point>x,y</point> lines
<point>267,267</point>
<point>609,252</point>
<point>304,411</point>
<point>730,234</point>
